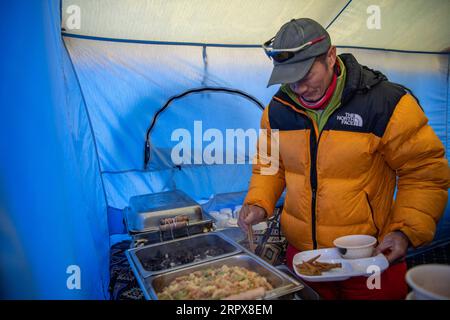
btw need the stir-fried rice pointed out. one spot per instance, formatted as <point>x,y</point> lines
<point>213,283</point>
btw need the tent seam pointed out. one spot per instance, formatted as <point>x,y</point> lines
<point>394,50</point>
<point>337,16</point>
<point>147,147</point>
<point>154,42</point>
<point>89,120</point>
<point>95,147</point>
<point>239,46</point>
<point>170,168</point>
<point>104,290</point>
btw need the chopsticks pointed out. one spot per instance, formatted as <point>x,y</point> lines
<point>251,244</point>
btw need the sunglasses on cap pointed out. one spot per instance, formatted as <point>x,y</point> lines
<point>282,55</point>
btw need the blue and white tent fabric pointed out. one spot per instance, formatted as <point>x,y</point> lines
<point>82,81</point>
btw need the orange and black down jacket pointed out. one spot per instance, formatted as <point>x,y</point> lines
<point>342,181</point>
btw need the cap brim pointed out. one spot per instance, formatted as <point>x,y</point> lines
<point>290,73</point>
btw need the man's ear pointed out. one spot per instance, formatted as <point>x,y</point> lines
<point>331,56</point>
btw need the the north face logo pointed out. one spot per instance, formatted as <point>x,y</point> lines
<point>351,119</point>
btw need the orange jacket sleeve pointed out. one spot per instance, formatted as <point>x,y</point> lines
<point>413,150</point>
<point>267,182</point>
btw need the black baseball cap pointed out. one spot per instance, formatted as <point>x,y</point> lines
<point>295,46</point>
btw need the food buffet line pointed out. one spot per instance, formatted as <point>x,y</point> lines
<point>176,253</point>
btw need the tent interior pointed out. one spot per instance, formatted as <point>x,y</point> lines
<point>78,98</point>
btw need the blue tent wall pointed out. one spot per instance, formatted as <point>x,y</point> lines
<point>52,209</point>
<point>61,164</point>
<point>125,83</point>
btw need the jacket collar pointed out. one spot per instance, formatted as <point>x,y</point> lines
<point>360,79</point>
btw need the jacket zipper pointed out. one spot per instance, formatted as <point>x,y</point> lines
<point>313,145</point>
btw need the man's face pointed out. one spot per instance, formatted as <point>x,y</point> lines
<point>313,86</point>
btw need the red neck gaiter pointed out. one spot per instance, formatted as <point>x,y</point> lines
<point>322,102</point>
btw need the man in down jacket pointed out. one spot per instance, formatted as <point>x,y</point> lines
<point>347,138</point>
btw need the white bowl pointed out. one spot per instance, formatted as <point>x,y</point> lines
<point>355,246</point>
<point>430,281</point>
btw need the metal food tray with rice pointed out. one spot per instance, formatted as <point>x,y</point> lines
<point>307,293</point>
<point>282,284</point>
<point>171,255</point>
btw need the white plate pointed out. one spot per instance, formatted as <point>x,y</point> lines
<point>350,267</point>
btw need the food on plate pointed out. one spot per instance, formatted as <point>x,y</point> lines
<point>217,283</point>
<point>315,268</point>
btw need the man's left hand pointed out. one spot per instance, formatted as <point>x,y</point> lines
<point>394,246</point>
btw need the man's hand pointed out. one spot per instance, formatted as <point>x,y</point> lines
<point>394,246</point>
<point>250,215</point>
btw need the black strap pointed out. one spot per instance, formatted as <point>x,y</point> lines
<point>147,147</point>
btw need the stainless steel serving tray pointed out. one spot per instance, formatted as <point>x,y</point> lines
<point>156,236</point>
<point>145,212</point>
<point>140,256</point>
<point>282,283</point>
<point>306,293</point>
